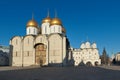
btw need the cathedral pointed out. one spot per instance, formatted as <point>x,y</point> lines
<point>43,45</point>
<point>48,45</point>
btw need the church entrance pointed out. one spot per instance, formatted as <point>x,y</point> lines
<point>40,54</point>
<point>96,63</point>
<point>89,64</point>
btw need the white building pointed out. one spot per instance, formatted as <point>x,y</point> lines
<point>87,54</point>
<point>44,44</point>
<point>117,57</point>
<point>47,44</point>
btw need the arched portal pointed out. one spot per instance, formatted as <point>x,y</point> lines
<point>89,64</point>
<point>40,54</point>
<point>96,63</point>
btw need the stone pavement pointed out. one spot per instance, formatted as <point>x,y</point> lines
<point>60,73</point>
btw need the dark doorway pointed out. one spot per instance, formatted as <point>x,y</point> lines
<point>40,54</point>
<point>89,64</point>
<point>96,63</point>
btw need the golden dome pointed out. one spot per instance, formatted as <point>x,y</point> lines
<point>56,21</point>
<point>32,23</point>
<point>48,19</point>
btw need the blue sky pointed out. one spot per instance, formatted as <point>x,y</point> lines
<point>99,20</point>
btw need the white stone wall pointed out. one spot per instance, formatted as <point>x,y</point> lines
<point>55,49</point>
<point>86,53</point>
<point>117,57</point>
<point>16,43</point>
<point>45,28</point>
<point>43,39</point>
<point>28,51</point>
<point>55,29</point>
<point>32,31</point>
<point>64,53</point>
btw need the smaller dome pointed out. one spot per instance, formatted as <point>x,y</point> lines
<point>32,23</point>
<point>56,21</point>
<point>94,45</point>
<point>82,46</point>
<point>46,20</point>
<point>87,44</point>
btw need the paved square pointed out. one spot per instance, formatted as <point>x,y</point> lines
<point>60,73</point>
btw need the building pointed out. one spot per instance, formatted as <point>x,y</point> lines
<point>4,55</point>
<point>44,45</point>
<point>117,57</point>
<point>47,45</point>
<point>86,55</point>
<point>4,49</point>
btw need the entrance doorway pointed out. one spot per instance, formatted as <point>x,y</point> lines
<point>40,54</point>
<point>89,64</point>
<point>96,63</point>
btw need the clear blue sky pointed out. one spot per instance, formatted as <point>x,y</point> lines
<point>99,20</point>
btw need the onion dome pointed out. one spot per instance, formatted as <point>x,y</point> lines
<point>46,20</point>
<point>94,45</point>
<point>56,21</point>
<point>32,23</point>
<point>87,44</point>
<point>82,46</point>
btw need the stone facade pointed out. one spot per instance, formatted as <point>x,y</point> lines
<point>117,56</point>
<point>44,45</point>
<point>86,55</point>
<point>47,45</point>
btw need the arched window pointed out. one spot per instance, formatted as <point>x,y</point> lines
<point>54,28</point>
<point>16,54</point>
<point>28,53</point>
<point>34,31</point>
<point>29,30</point>
<point>16,41</point>
<point>59,29</point>
<point>40,39</point>
<point>45,29</point>
<point>28,40</point>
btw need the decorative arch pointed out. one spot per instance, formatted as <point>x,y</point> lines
<point>87,44</point>
<point>40,54</point>
<point>40,39</point>
<point>89,63</point>
<point>16,43</point>
<point>96,63</point>
<point>16,39</point>
<point>55,49</point>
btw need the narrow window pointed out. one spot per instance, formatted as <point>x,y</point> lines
<point>54,28</point>
<point>28,53</point>
<point>16,54</point>
<point>40,39</point>
<point>29,31</point>
<point>34,31</point>
<point>45,29</point>
<point>28,40</point>
<point>16,41</point>
<point>59,29</point>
